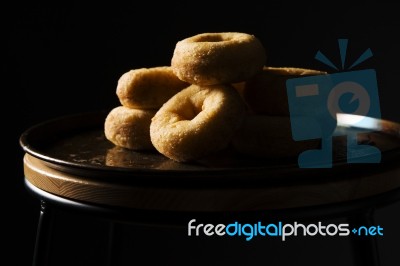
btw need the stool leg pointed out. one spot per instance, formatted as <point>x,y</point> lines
<point>365,248</point>
<point>112,246</point>
<point>43,235</point>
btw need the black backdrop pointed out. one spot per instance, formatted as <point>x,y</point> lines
<point>66,58</point>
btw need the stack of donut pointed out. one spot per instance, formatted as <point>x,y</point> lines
<point>215,93</point>
<point>141,92</point>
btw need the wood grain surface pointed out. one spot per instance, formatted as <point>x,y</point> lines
<point>107,192</point>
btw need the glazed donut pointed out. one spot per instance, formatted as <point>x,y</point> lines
<point>265,93</point>
<point>129,128</point>
<point>148,88</point>
<point>197,121</point>
<point>218,58</point>
<point>269,137</point>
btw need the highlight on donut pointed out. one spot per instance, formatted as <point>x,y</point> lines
<point>218,58</point>
<point>197,121</point>
<point>148,88</point>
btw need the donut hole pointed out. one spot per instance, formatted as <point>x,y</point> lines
<point>189,111</point>
<point>211,38</point>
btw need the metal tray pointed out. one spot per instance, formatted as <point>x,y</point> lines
<point>76,144</point>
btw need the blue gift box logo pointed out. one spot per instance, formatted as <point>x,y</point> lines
<point>315,102</point>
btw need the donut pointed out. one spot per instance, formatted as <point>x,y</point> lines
<point>269,137</point>
<point>266,94</point>
<point>197,121</point>
<point>218,58</point>
<point>148,88</point>
<point>129,128</point>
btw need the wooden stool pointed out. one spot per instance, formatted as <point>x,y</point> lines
<point>69,164</point>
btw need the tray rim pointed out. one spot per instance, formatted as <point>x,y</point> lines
<point>63,164</point>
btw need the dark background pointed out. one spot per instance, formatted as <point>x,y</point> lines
<point>66,58</point>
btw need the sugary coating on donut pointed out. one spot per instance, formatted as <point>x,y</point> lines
<point>218,58</point>
<point>291,71</point>
<point>129,128</point>
<point>148,88</point>
<point>197,121</point>
<point>266,94</point>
